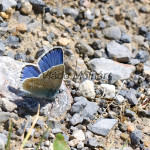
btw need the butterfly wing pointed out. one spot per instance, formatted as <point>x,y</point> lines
<point>53,58</point>
<point>47,84</point>
<point>29,71</point>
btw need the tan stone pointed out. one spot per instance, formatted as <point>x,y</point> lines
<point>22,27</point>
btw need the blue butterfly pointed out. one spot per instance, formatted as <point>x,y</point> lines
<point>45,79</point>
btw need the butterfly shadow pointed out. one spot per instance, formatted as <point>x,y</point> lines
<point>27,104</point>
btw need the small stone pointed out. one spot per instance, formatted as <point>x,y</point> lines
<point>80,145</point>
<point>79,135</point>
<point>119,52</point>
<point>102,25</point>
<point>73,143</point>
<point>143,30</point>
<point>142,56</point>
<point>12,40</point>
<point>56,130</point>
<point>20,132</point>
<point>3,141</point>
<point>102,126</point>
<point>125,38</point>
<point>4,116</point>
<point>10,54</point>
<point>7,105</point>
<point>20,56</point>
<point>122,127</point>
<point>135,137</point>
<point>129,113</point>
<point>76,119</point>
<point>97,54</point>
<point>48,18</point>
<point>134,61</point>
<point>120,99</point>
<point>22,28</point>
<point>63,41</point>
<point>4,15</point>
<point>113,78</point>
<point>130,128</point>
<point>2,48</point>
<point>109,89</point>
<point>7,4</point>
<point>71,11</point>
<point>148,36</point>
<point>131,96</point>
<point>112,33</point>
<point>107,66</point>
<point>86,89</point>
<point>96,45</point>
<point>26,8</point>
<point>84,48</point>
<point>92,143</point>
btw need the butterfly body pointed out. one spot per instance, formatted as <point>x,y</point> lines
<point>46,80</point>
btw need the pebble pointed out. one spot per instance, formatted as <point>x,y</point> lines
<point>20,56</point>
<point>124,136</point>
<point>2,48</point>
<point>86,89</point>
<point>39,53</point>
<point>125,38</point>
<point>131,96</point>
<point>63,41</point>
<point>107,66</point>
<point>142,56</point>
<point>76,119</point>
<point>71,11</point>
<point>97,45</point>
<point>8,105</point>
<point>129,113</point>
<point>79,135</point>
<point>22,28</point>
<point>48,18</point>
<point>113,33</point>
<point>120,99</point>
<point>102,126</point>
<point>136,136</point>
<point>4,116</point>
<point>92,143</point>
<point>26,8</point>
<point>148,36</point>
<point>122,127</point>
<point>8,4</point>
<point>102,25</point>
<point>119,52</point>
<point>73,143</point>
<point>3,141</point>
<point>84,48</point>
<point>97,54</point>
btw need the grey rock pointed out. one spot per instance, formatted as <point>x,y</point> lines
<point>4,5</point>
<point>134,61</point>
<point>135,137</point>
<point>30,59</point>
<point>49,39</point>
<point>125,38</point>
<point>11,87</point>
<point>120,99</point>
<point>113,78</point>
<point>102,25</point>
<point>129,113</point>
<point>97,54</point>
<point>40,123</point>
<point>102,126</point>
<point>2,48</point>
<point>120,52</point>
<point>4,116</point>
<point>143,9</point>
<point>76,28</point>
<point>96,45</point>
<point>20,56</point>
<point>80,103</point>
<point>84,48</point>
<point>10,54</point>
<point>122,127</point>
<point>48,18</point>
<point>148,36</point>
<point>3,141</point>
<point>71,11</point>
<point>92,143</point>
<point>56,130</point>
<point>131,96</point>
<point>88,112</point>
<point>7,105</point>
<point>37,5</point>
<point>76,119</point>
<point>107,66</point>
<point>20,132</point>
<point>12,40</point>
<point>143,30</point>
<point>142,56</point>
<point>112,33</point>
<point>4,24</point>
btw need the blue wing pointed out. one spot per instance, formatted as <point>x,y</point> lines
<point>52,58</point>
<point>29,71</point>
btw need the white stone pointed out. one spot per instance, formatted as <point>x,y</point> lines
<point>86,89</point>
<point>108,89</point>
<point>79,135</point>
